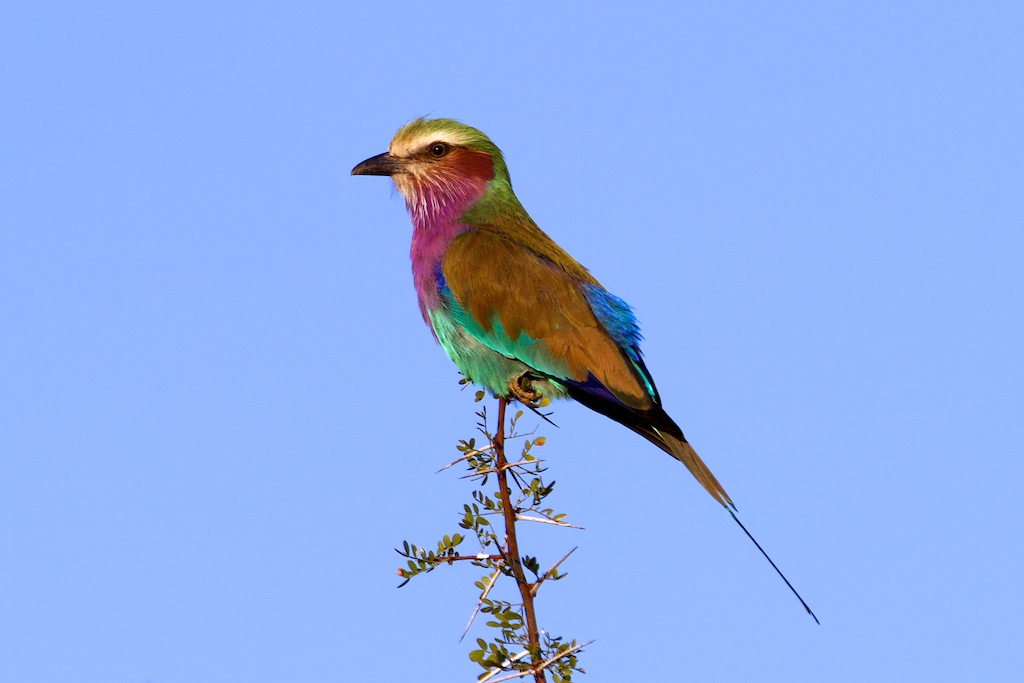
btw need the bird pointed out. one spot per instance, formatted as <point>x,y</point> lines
<point>515,313</point>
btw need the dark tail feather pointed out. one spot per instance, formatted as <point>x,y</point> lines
<point>657,427</point>
<point>681,450</point>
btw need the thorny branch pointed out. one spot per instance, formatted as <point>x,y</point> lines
<point>513,559</point>
<point>521,490</point>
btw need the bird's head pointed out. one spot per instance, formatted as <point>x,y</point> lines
<point>441,167</point>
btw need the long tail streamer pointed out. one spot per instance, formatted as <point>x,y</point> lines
<point>777,570</point>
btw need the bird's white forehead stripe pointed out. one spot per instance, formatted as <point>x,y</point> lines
<point>405,148</point>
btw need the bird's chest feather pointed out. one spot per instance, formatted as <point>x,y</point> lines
<point>428,248</point>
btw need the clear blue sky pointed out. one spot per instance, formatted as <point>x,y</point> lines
<point>220,410</point>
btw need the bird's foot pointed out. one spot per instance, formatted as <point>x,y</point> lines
<point>522,390</point>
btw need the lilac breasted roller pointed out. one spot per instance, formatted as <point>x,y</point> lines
<point>517,314</point>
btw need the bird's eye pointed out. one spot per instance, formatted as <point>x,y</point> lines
<point>438,150</point>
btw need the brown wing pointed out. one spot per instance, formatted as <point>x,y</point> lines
<point>523,305</point>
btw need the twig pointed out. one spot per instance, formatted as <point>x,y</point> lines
<point>483,596</point>
<point>520,674</point>
<point>543,577</point>
<point>448,559</point>
<point>511,660</point>
<point>462,558</point>
<point>541,520</point>
<point>469,454</point>
<point>493,470</point>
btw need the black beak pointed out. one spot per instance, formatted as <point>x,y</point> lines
<point>382,164</point>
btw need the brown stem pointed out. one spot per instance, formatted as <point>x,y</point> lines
<point>514,560</point>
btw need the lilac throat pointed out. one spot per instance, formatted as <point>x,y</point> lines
<point>435,206</point>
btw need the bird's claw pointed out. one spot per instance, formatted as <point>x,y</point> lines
<point>521,388</point>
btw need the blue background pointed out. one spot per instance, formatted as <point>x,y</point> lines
<point>220,410</point>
